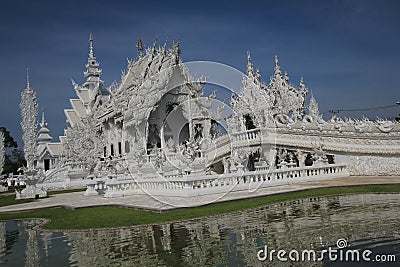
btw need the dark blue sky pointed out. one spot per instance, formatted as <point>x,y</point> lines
<point>347,51</point>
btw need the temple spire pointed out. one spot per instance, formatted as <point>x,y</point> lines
<point>91,52</point>
<point>153,48</point>
<point>29,114</point>
<point>313,109</point>
<point>277,67</point>
<point>93,71</point>
<point>44,133</point>
<point>177,51</point>
<point>250,67</point>
<point>28,83</point>
<point>258,75</point>
<point>303,87</point>
<point>43,122</point>
<point>286,77</point>
<point>139,46</point>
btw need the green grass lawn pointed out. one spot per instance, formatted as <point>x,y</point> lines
<point>6,200</point>
<point>112,216</point>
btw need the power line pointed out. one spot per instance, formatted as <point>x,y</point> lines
<point>362,109</point>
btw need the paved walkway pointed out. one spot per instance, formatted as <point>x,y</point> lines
<point>160,203</point>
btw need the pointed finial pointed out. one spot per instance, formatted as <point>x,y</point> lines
<point>176,48</point>
<point>258,75</point>
<point>155,43</point>
<point>250,67</point>
<point>91,53</point>
<point>164,48</point>
<point>43,123</point>
<point>248,57</point>
<point>277,68</point>
<point>286,76</point>
<point>165,43</point>
<point>312,99</point>
<point>303,87</point>
<point>92,72</point>
<point>28,85</point>
<point>313,108</point>
<point>139,45</point>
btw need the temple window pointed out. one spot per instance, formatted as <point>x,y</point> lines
<point>46,164</point>
<point>331,159</point>
<point>309,160</point>
<point>119,148</point>
<point>127,148</point>
<point>249,122</point>
<point>198,131</point>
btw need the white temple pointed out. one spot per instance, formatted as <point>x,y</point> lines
<point>154,132</point>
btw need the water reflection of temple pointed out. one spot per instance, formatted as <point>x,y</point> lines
<point>226,239</point>
<point>236,237</point>
<point>32,253</point>
<point>2,239</point>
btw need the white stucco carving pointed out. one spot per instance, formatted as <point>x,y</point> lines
<point>29,123</point>
<point>373,165</point>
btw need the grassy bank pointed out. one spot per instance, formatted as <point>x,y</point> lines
<point>111,216</point>
<point>9,199</point>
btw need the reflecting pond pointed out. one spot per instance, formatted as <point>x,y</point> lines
<point>365,221</point>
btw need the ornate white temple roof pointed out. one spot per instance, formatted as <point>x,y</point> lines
<point>145,81</point>
<point>55,149</point>
<point>90,94</point>
<point>52,149</point>
<point>78,107</point>
<point>72,117</point>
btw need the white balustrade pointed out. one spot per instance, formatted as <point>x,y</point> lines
<point>188,185</point>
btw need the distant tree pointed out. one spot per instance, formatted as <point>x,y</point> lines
<point>8,140</point>
<point>14,157</point>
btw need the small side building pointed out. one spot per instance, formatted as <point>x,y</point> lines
<point>47,153</point>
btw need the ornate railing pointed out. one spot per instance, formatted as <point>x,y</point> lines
<point>253,134</point>
<point>188,185</point>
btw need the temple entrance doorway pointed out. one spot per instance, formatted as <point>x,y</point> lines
<point>46,164</point>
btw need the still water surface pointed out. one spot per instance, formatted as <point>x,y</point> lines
<point>365,221</point>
